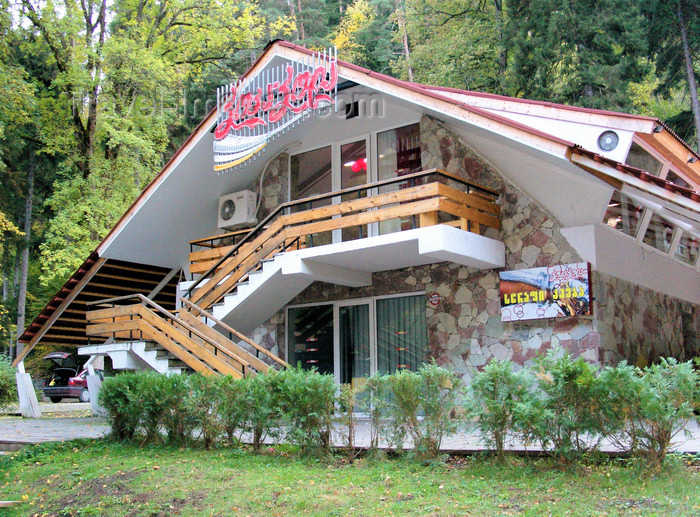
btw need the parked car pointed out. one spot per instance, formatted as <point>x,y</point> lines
<point>68,379</point>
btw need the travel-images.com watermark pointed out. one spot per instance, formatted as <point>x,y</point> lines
<point>194,106</point>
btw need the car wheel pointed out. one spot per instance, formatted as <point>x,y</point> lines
<point>84,395</point>
<point>56,400</point>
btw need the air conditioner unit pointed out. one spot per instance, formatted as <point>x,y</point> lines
<point>237,209</point>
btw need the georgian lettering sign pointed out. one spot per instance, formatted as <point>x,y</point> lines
<point>546,292</point>
<point>253,112</point>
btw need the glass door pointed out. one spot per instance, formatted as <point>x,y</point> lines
<point>354,357</point>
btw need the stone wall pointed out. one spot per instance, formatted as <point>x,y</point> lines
<point>275,185</point>
<point>465,328</point>
<point>641,325</point>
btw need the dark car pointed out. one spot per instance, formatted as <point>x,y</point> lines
<point>68,380</point>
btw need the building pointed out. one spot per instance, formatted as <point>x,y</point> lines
<point>374,223</point>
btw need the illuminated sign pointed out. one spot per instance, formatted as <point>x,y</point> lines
<point>546,292</point>
<point>254,111</point>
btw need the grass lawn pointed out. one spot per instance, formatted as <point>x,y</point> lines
<point>104,478</point>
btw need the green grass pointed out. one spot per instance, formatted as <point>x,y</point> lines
<point>104,478</point>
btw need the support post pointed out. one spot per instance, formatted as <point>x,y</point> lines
<point>28,403</point>
<point>94,386</point>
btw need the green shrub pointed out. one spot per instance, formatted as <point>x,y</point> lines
<point>423,405</point>
<point>150,397</point>
<point>496,394</point>
<point>177,420</point>
<point>565,416</point>
<point>117,396</point>
<point>652,406</point>
<point>347,401</point>
<point>306,402</point>
<point>8,386</point>
<point>233,407</point>
<point>376,399</point>
<point>203,406</point>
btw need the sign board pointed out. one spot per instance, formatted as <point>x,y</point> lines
<point>546,292</point>
<point>257,109</point>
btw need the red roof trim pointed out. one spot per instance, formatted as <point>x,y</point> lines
<point>640,174</point>
<point>547,104</point>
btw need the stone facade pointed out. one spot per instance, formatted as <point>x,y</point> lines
<point>275,185</point>
<point>640,325</point>
<point>465,328</point>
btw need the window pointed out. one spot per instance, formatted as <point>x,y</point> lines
<point>640,158</point>
<point>623,214</point>
<point>659,233</point>
<point>688,248</point>
<point>355,338</point>
<point>310,337</point>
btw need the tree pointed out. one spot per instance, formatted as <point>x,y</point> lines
<point>115,98</point>
<point>674,45</point>
<point>580,52</point>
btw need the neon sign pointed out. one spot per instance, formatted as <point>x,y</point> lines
<point>253,113</point>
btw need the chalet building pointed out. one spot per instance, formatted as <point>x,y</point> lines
<point>336,217</point>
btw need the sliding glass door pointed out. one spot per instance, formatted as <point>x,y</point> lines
<point>353,339</point>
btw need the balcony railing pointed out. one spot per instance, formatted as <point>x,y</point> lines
<point>417,200</point>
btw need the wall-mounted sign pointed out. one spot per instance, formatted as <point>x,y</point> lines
<point>546,292</point>
<point>434,299</point>
<point>254,111</point>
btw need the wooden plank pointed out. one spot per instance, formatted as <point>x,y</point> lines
<point>153,334</point>
<point>189,305</point>
<point>222,342</point>
<point>59,310</point>
<point>469,213</point>
<point>220,290</point>
<point>113,312</point>
<point>471,200</point>
<point>189,344</point>
<point>404,210</point>
<point>102,274</point>
<point>209,254</point>
<point>243,251</point>
<point>101,329</point>
<point>428,219</point>
<point>221,236</point>
<point>356,205</point>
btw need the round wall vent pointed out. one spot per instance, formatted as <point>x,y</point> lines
<point>608,140</point>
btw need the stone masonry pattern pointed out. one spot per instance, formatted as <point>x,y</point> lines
<point>465,329</point>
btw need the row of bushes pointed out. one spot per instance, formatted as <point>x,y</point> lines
<point>565,406</point>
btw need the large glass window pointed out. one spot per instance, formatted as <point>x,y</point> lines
<point>359,337</point>
<point>688,248</point>
<point>623,214</point>
<point>353,173</point>
<point>402,333</point>
<point>311,173</point>
<point>641,159</point>
<point>310,337</point>
<point>659,233</point>
<point>398,155</point>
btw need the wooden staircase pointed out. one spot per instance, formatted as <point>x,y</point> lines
<point>184,335</point>
<point>418,200</point>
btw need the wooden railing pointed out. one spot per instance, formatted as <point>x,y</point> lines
<point>184,335</point>
<point>447,199</point>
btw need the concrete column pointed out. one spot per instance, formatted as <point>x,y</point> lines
<point>28,403</point>
<point>94,386</point>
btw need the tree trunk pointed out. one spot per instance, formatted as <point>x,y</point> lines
<point>24,266</point>
<point>293,14</point>
<point>692,85</point>
<point>404,34</point>
<point>502,51</point>
<point>300,23</point>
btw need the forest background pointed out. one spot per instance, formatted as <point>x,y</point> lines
<point>96,95</point>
